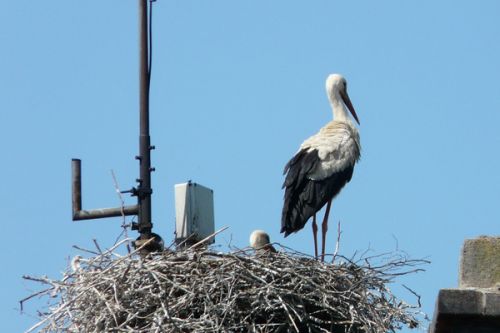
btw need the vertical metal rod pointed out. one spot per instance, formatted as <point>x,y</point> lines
<point>76,185</point>
<point>144,194</point>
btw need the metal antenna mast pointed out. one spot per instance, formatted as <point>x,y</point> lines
<point>144,189</point>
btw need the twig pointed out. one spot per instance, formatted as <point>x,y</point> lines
<point>208,238</point>
<point>122,209</point>
<point>414,293</point>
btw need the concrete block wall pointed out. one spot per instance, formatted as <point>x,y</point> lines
<point>473,307</point>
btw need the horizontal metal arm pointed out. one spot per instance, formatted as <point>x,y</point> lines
<point>79,213</point>
<point>104,212</point>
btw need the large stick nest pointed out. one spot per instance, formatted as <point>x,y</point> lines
<point>200,290</point>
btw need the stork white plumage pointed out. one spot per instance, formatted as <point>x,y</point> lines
<point>322,166</point>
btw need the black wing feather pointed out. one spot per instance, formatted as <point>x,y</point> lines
<point>304,196</point>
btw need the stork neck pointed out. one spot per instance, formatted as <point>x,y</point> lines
<point>338,108</point>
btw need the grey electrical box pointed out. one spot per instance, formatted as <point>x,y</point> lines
<point>194,213</point>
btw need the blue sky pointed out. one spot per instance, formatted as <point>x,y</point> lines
<point>236,87</point>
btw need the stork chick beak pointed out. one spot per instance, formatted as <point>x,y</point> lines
<point>347,102</point>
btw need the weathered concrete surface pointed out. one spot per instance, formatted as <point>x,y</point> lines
<point>492,304</point>
<point>480,302</point>
<point>460,301</point>
<point>475,306</point>
<point>467,311</point>
<point>480,263</point>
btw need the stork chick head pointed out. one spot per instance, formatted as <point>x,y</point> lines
<point>261,243</point>
<point>259,239</point>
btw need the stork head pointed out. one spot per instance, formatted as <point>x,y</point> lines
<point>336,88</point>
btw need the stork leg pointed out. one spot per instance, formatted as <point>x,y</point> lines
<point>315,235</point>
<point>324,229</point>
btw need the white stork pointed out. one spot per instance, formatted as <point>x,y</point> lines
<point>322,166</point>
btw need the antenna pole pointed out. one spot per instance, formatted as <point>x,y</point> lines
<point>144,189</point>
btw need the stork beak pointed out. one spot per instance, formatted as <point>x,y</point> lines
<point>347,102</point>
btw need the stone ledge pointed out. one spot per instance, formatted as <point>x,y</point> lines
<point>460,301</point>
<point>475,306</point>
<point>467,311</point>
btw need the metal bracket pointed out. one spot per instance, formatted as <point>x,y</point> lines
<point>81,214</point>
